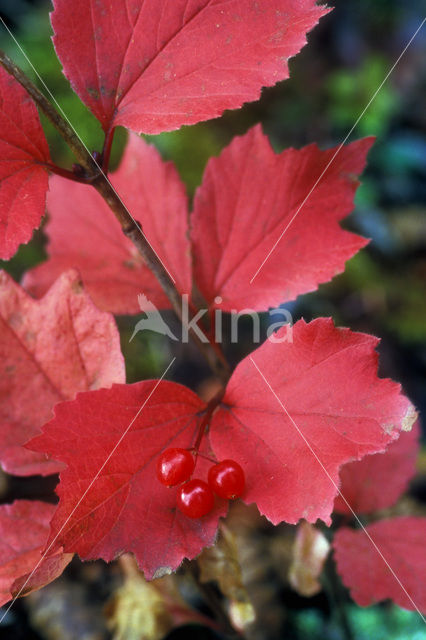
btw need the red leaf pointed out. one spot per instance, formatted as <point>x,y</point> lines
<point>154,65</point>
<point>85,234</point>
<point>24,529</point>
<point>126,508</point>
<point>244,191</point>
<point>402,543</point>
<point>110,440</point>
<point>49,350</point>
<point>327,381</point>
<point>376,482</point>
<point>23,180</point>
<point>242,210</point>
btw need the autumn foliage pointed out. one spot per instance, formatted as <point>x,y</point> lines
<point>309,420</point>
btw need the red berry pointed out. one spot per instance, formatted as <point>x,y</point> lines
<point>175,466</point>
<point>227,479</point>
<point>195,498</point>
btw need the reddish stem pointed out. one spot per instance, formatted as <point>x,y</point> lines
<point>213,403</point>
<point>65,173</point>
<point>210,335</point>
<point>201,455</point>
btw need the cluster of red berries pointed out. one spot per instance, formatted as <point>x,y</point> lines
<point>196,497</point>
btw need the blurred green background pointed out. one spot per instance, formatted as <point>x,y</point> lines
<point>383,290</point>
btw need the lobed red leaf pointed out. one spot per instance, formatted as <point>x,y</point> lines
<point>23,178</point>
<point>326,381</point>
<point>49,350</point>
<point>24,529</point>
<point>401,571</point>
<point>376,482</point>
<point>154,65</point>
<point>85,234</point>
<point>256,205</point>
<point>110,498</point>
